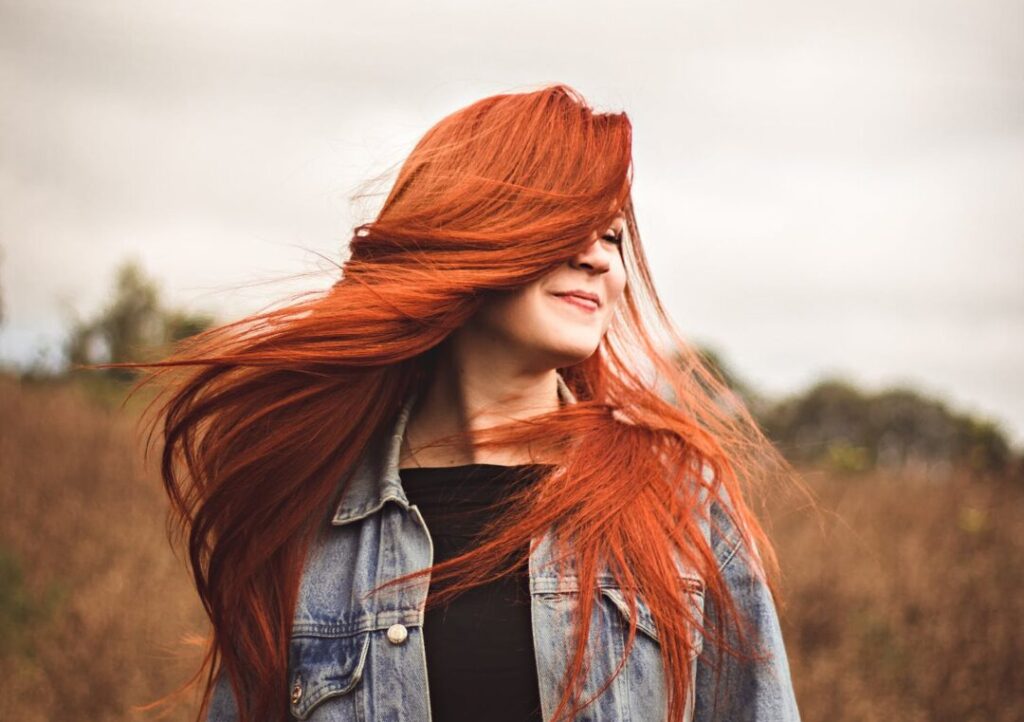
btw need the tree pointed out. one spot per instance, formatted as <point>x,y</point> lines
<point>897,428</point>
<point>134,326</point>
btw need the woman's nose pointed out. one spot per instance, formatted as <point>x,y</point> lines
<point>595,258</point>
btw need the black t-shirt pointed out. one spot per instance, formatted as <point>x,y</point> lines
<point>479,647</point>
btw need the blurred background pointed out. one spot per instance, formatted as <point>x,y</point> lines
<point>829,195</point>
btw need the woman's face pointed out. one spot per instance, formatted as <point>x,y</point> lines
<point>561,318</point>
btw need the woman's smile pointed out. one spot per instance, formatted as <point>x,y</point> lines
<point>583,303</point>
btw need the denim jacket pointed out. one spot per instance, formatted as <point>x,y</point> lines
<point>365,661</point>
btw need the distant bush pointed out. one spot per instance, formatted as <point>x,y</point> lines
<point>896,429</point>
<point>835,425</point>
<point>134,326</point>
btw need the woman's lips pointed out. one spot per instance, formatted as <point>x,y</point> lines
<point>585,303</point>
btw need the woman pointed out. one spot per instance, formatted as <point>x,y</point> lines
<point>487,372</point>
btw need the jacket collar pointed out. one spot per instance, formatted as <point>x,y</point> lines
<point>375,479</point>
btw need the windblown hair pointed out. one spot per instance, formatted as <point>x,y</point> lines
<point>266,416</point>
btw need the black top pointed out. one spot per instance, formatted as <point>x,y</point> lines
<point>479,647</point>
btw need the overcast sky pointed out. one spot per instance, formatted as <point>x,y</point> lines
<point>823,188</point>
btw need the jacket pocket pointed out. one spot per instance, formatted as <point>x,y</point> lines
<point>693,588</point>
<point>324,667</point>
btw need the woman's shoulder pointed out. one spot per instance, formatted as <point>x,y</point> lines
<point>719,517</point>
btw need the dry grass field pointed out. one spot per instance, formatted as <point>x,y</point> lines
<point>904,598</point>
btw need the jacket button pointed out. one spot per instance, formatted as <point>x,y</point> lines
<point>397,633</point>
<point>296,693</point>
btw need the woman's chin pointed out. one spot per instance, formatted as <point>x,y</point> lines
<point>574,352</point>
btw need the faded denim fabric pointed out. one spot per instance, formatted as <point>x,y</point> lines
<point>359,660</point>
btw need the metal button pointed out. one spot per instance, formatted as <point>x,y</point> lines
<point>397,633</point>
<point>296,692</point>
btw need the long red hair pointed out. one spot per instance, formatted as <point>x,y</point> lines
<point>264,417</point>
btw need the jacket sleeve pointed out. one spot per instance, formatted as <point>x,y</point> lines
<point>758,690</point>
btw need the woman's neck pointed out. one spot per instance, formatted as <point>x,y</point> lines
<point>473,389</point>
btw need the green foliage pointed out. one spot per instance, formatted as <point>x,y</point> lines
<point>134,326</point>
<point>836,423</point>
<point>844,458</point>
<point>180,325</point>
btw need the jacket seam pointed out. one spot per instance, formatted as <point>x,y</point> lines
<point>730,556</point>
